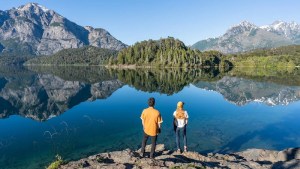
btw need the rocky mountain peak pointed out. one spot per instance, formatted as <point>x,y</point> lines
<point>36,30</point>
<point>33,7</point>
<point>246,24</point>
<point>240,28</point>
<point>290,30</point>
<point>246,36</point>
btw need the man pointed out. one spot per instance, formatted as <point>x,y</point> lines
<point>151,120</point>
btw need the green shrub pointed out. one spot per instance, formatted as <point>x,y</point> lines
<point>55,164</point>
<point>55,24</point>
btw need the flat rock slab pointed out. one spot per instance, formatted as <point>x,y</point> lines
<point>251,158</point>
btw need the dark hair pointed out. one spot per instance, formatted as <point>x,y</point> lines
<point>151,102</point>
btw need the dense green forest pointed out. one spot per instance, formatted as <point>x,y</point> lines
<point>167,52</point>
<point>13,52</point>
<point>285,56</point>
<point>13,60</point>
<point>86,74</point>
<point>87,55</point>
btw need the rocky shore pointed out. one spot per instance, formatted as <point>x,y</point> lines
<point>251,158</point>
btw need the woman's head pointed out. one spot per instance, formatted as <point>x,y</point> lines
<point>179,111</point>
<point>180,105</point>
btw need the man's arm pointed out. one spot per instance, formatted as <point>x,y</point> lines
<point>142,118</point>
<point>159,121</point>
<point>143,123</point>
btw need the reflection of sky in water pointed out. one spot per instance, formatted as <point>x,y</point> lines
<point>112,124</point>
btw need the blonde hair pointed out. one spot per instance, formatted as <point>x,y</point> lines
<point>179,111</point>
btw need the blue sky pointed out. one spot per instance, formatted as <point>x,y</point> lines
<point>188,20</point>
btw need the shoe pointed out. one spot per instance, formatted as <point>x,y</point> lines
<point>142,154</point>
<point>185,149</point>
<point>178,151</point>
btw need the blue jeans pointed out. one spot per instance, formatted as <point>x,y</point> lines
<point>178,131</point>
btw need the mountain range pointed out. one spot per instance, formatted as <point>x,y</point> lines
<point>32,29</point>
<point>247,36</point>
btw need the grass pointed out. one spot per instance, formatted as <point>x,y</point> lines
<point>55,164</point>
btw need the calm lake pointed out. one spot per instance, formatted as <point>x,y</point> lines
<point>80,111</point>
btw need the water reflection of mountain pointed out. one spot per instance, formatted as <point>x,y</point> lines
<point>271,88</point>
<point>43,92</point>
<point>42,96</point>
<point>242,91</point>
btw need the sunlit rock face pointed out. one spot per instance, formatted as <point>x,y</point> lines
<point>34,29</point>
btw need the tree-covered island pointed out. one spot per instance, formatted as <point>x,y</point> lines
<point>168,52</point>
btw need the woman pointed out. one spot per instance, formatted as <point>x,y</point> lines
<point>180,122</point>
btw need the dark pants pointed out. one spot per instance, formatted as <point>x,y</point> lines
<point>153,143</point>
<point>178,131</point>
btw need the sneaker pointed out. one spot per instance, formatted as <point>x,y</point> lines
<point>178,151</point>
<point>142,154</point>
<point>185,149</point>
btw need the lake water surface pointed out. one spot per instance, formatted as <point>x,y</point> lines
<point>80,111</point>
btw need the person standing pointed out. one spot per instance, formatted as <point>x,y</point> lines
<point>151,120</point>
<point>180,122</point>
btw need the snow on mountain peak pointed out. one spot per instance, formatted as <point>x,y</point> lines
<point>280,25</point>
<point>33,5</point>
<point>289,30</point>
<point>239,28</point>
<point>246,24</point>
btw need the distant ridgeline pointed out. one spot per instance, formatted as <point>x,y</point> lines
<point>85,74</point>
<point>285,56</point>
<point>167,52</point>
<point>171,52</point>
<point>88,55</point>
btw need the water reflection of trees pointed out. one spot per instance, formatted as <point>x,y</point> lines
<point>42,92</point>
<point>288,76</point>
<point>166,81</point>
<point>87,74</point>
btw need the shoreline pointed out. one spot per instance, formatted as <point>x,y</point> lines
<point>250,158</point>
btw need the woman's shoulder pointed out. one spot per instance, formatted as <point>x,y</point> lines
<point>185,112</point>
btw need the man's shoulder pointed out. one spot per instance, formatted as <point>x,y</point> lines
<point>151,110</point>
<point>155,110</point>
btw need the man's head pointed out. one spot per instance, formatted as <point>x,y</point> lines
<point>151,102</point>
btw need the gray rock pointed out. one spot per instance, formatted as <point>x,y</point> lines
<point>45,32</point>
<point>252,158</point>
<point>1,47</point>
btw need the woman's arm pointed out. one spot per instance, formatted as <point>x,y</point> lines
<point>186,117</point>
